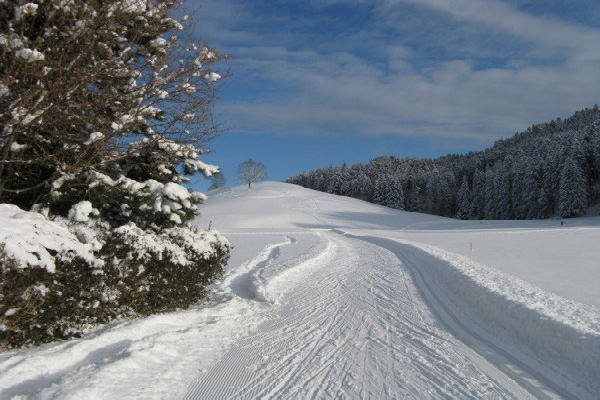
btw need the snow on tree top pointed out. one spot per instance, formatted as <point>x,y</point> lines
<point>29,8</point>
<point>29,238</point>
<point>81,211</point>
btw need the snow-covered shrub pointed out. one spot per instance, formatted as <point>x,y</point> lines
<point>149,204</point>
<point>38,306</point>
<point>166,271</point>
<point>60,278</point>
<point>50,281</point>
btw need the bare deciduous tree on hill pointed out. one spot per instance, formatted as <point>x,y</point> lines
<point>251,171</point>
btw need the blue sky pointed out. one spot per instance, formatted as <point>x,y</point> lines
<point>317,82</point>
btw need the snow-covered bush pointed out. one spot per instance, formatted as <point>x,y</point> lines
<point>60,278</point>
<point>39,306</point>
<point>149,204</point>
<point>50,281</point>
<point>105,106</point>
<point>166,271</point>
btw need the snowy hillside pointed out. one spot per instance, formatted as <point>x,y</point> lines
<point>329,296</point>
<point>559,259</point>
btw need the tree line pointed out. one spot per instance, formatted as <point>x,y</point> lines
<point>551,169</point>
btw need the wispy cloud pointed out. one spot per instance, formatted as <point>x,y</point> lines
<point>552,34</point>
<point>362,68</point>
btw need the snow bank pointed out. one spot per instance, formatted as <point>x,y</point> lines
<point>30,240</point>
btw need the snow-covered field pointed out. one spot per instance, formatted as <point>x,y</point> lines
<point>328,296</point>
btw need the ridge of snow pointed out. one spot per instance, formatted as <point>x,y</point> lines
<point>582,317</point>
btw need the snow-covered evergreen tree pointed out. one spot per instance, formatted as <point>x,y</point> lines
<point>489,211</point>
<point>593,135</point>
<point>394,193</point>
<point>364,186</point>
<point>97,86</point>
<point>342,177</point>
<point>464,201</point>
<point>543,205</point>
<point>519,206</point>
<point>380,191</point>
<point>502,191</point>
<point>478,194</point>
<point>446,194</point>
<point>104,109</point>
<point>573,195</point>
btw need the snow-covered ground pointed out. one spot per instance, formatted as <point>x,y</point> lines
<point>328,296</point>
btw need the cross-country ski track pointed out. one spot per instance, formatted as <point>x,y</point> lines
<point>351,325</point>
<point>329,297</point>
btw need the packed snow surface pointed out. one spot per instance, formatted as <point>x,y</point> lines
<point>328,297</point>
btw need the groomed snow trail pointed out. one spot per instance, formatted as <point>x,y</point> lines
<point>350,324</point>
<point>562,365</point>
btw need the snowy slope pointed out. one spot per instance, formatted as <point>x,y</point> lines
<point>327,296</point>
<point>561,260</point>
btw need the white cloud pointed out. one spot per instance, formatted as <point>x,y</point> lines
<point>554,35</point>
<point>331,86</point>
